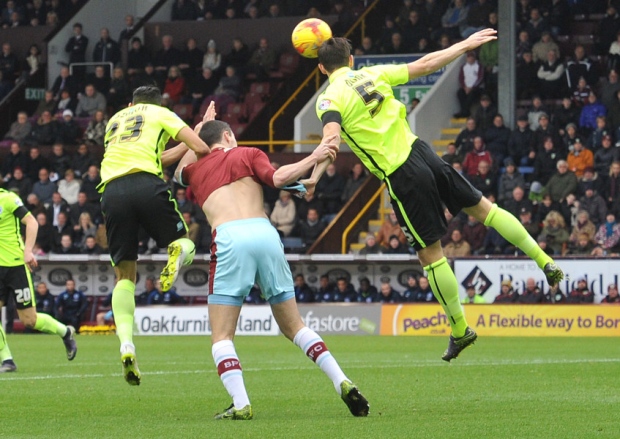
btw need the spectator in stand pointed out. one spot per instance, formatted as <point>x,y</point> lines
<point>546,162</point>
<point>387,294</point>
<point>555,295</point>
<point>535,111</point>
<point>414,29</point>
<point>607,237</point>
<point>71,305</point>
<point>283,214</point>
<point>541,49</point>
<point>19,183</point>
<point>451,156</point>
<point>507,293</point>
<point>44,188</point>
<point>191,59</point>
<point>262,60</point>
<point>15,159</point>
<point>454,222</point>
<point>395,247</point>
<point>238,56</point>
<point>536,24</point>
<point>532,293</point>
<point>106,50</point>
<point>44,132</point>
<point>561,183</point>
<point>583,246</point>
<point>193,228</point>
<point>329,190</point>
<point>544,130</point>
<point>118,93</point>
<point>477,17</point>
<point>473,158</point>
<point>91,247</point>
<point>45,238</point>
<point>84,228</point>
<point>581,294</point>
<point>520,141</point>
<point>555,233</point>
<point>612,185</point>
<point>90,102</point>
<point>137,57</point>
<point>589,113</point>
<point>582,226</point>
<point>473,232</point>
<point>76,48</point>
<point>149,287</point>
<point>494,243</point>
<point>90,181</point>
<point>51,19</point>
<point>66,102</point>
<point>159,297</point>
<point>344,291</point>
<point>82,160</point>
<point>68,129</point>
<point>457,247</point>
<point>46,104</point>
<point>95,131</point>
<point>497,137</point>
<point>357,176</point>
<point>388,228</point>
<point>569,139</point>
<point>366,293</point>
<point>174,85</point>
<point>367,47</point>
<point>579,158</point>
<point>580,67</point>
<point>325,293</point>
<point>517,201</point>
<point>212,58</point>
<point>184,10</point>
<point>551,76</point>
<point>465,140</point>
<point>34,205</point>
<point>303,292</point>
<point>509,180</point>
<point>9,63</point>
<point>612,295</point>
<point>565,114</point>
<point>472,296</point>
<point>423,293</point>
<point>129,28</point>
<point>592,180</point>
<point>453,21</point>
<point>546,205</point>
<point>20,128</point>
<point>609,89</point>
<point>485,113</point>
<point>471,77</point>
<point>580,92</point>
<point>69,187</point>
<point>200,87</point>
<point>527,72</point>
<point>595,205</point>
<point>310,228</point>
<point>64,81</point>
<point>310,201</point>
<point>166,57</point>
<point>397,45</point>
<point>37,11</point>
<point>59,162</point>
<point>46,302</point>
<point>604,157</point>
<point>35,162</point>
<point>533,228</point>
<point>228,89</point>
<point>485,179</point>
<point>371,246</point>
<point>595,140</point>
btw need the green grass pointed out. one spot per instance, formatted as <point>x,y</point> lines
<point>500,388</point>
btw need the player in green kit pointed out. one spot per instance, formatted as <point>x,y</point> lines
<point>16,260</point>
<point>360,106</point>
<point>134,194</point>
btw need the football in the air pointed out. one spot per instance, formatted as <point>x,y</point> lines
<point>308,36</point>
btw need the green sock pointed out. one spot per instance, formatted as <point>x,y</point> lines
<point>188,248</point>
<point>445,288</point>
<point>49,325</point>
<point>5,352</point>
<point>514,232</point>
<point>123,306</point>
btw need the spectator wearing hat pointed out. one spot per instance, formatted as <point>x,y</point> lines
<point>605,156</point>
<point>457,247</point>
<point>532,293</point>
<point>612,295</point>
<point>507,294</point>
<point>532,227</point>
<point>509,180</point>
<point>562,183</point>
<point>579,158</point>
<point>472,296</point>
<point>68,130</point>
<point>546,161</point>
<point>395,247</point>
<point>471,77</point>
<point>581,293</point>
<point>484,113</point>
<point>565,114</point>
<point>590,179</point>
<point>595,139</point>
<point>544,130</point>
<point>371,247</point>
<point>551,76</point>
<point>589,113</point>
<point>569,138</point>
<point>520,141</point>
<point>555,295</point>
<point>212,58</point>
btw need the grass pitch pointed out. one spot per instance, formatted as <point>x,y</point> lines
<point>499,388</point>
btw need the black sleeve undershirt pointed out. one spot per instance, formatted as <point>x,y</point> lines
<point>331,116</point>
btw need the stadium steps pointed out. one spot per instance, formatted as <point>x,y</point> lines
<point>448,135</point>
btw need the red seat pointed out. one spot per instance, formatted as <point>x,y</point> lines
<point>184,111</point>
<point>230,119</point>
<point>260,88</point>
<point>288,63</point>
<point>238,109</point>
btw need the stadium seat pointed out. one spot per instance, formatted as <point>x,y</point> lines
<point>230,119</point>
<point>184,111</point>
<point>287,66</point>
<point>239,110</point>
<point>238,128</point>
<point>260,88</point>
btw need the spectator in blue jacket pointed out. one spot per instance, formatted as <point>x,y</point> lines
<point>589,113</point>
<point>71,305</point>
<point>159,297</point>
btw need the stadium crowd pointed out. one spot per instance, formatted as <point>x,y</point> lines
<point>558,170</point>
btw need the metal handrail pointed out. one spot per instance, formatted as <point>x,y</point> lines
<point>363,210</point>
<point>316,75</point>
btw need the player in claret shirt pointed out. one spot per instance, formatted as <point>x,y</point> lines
<point>246,248</point>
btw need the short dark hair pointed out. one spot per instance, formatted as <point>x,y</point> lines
<point>212,131</point>
<point>147,94</point>
<point>334,53</point>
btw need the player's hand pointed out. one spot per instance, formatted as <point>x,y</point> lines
<point>30,260</point>
<point>328,149</point>
<point>481,37</point>
<point>209,115</point>
<point>310,185</point>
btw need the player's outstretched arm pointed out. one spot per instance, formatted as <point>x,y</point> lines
<point>331,130</point>
<point>436,60</point>
<point>32,228</point>
<point>288,174</point>
<point>193,141</point>
<point>173,155</point>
